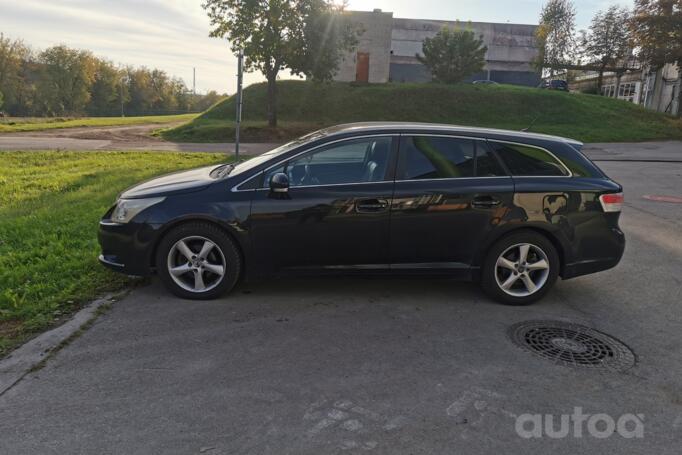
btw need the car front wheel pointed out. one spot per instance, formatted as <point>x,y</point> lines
<point>198,261</point>
<point>520,268</point>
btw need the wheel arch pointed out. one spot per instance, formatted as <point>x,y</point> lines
<point>229,230</point>
<point>550,235</point>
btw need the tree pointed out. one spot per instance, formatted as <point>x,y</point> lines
<point>657,34</point>
<point>105,93</point>
<point>1,99</point>
<point>556,34</point>
<point>140,90</point>
<point>13,56</point>
<point>328,35</point>
<point>282,34</point>
<point>184,99</point>
<point>162,99</point>
<point>608,40</point>
<point>202,103</point>
<point>66,79</point>
<point>453,55</point>
<point>657,31</point>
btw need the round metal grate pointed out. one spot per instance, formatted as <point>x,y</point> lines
<point>572,345</point>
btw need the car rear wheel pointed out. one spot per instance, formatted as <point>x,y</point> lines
<point>198,261</point>
<point>520,268</point>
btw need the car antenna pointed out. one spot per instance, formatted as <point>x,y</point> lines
<point>531,124</point>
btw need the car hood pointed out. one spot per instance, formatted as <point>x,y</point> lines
<point>176,183</point>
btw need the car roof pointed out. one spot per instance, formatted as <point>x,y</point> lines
<point>368,127</point>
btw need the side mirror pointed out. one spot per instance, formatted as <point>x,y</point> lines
<point>279,183</point>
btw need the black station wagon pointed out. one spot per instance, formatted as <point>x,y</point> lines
<point>511,210</point>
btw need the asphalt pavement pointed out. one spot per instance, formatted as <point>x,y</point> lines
<point>139,138</point>
<point>370,365</point>
<point>116,138</point>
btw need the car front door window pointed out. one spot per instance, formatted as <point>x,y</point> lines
<point>353,161</point>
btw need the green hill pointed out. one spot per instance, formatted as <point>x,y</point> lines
<point>306,106</point>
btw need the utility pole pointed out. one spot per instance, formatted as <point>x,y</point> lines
<point>240,75</point>
<point>194,81</point>
<point>122,113</point>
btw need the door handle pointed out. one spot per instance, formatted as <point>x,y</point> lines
<point>485,202</point>
<point>371,205</point>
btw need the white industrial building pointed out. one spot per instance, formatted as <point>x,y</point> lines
<point>388,46</point>
<point>656,90</point>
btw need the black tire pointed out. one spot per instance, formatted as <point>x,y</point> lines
<point>489,282</point>
<point>225,245</point>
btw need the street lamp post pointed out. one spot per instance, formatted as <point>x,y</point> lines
<point>125,78</point>
<point>240,75</point>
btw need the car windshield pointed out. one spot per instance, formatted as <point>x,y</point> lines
<point>249,164</point>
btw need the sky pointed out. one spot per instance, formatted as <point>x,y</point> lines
<point>172,35</point>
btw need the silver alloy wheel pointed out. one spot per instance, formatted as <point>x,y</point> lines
<point>522,270</point>
<point>196,264</point>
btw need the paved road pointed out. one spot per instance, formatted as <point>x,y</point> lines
<point>641,151</point>
<point>11,143</point>
<point>138,138</point>
<point>375,365</point>
<point>125,138</point>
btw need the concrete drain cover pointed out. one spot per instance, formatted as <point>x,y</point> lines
<point>572,345</point>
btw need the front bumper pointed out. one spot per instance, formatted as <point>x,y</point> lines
<point>127,248</point>
<point>110,261</point>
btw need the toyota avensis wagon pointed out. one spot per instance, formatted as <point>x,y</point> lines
<point>511,210</point>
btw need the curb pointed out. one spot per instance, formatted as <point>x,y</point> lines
<point>22,360</point>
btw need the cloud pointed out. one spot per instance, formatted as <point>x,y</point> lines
<point>172,35</point>
<point>515,11</point>
<point>167,34</point>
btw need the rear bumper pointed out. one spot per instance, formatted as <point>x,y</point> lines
<point>586,267</point>
<point>613,245</point>
<point>127,248</point>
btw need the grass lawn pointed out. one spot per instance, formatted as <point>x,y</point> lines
<point>18,124</point>
<point>306,106</point>
<point>50,205</point>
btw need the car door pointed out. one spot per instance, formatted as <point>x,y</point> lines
<point>449,193</point>
<point>336,211</point>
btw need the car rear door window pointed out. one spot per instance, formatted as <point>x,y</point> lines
<point>437,157</point>
<point>522,160</point>
<point>487,165</point>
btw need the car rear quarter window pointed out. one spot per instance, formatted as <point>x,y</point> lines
<point>523,160</point>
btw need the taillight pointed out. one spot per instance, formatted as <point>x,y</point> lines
<point>611,202</point>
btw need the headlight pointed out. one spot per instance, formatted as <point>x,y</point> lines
<point>126,209</point>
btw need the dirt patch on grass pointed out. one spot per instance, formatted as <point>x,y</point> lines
<point>120,134</point>
<point>10,329</point>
